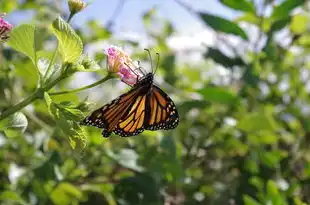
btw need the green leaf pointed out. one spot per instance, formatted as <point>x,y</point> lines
<point>272,158</point>
<point>257,121</point>
<point>223,25</point>
<point>249,18</point>
<point>67,119</point>
<point>218,95</point>
<point>14,123</point>
<point>220,58</point>
<point>22,39</point>
<point>299,24</point>
<point>272,188</point>
<point>187,105</point>
<point>70,44</point>
<point>10,196</point>
<point>240,5</point>
<point>283,10</point>
<point>279,25</point>
<point>250,201</point>
<point>65,193</point>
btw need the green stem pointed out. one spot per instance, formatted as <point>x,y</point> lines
<point>70,17</point>
<point>36,95</point>
<point>50,64</point>
<point>83,88</point>
<point>19,106</point>
<point>54,55</point>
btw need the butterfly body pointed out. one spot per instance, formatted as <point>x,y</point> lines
<point>144,107</point>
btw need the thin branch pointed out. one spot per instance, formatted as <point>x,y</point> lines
<point>116,13</point>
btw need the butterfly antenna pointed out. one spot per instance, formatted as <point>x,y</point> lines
<point>149,53</point>
<point>139,67</point>
<point>157,62</point>
<point>131,69</point>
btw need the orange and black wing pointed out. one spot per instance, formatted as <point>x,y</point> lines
<point>109,116</point>
<point>161,112</point>
<point>135,111</point>
<point>133,122</point>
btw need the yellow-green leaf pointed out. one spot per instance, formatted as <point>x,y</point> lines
<point>70,44</point>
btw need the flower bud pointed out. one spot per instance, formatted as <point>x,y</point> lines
<point>89,64</point>
<point>76,6</point>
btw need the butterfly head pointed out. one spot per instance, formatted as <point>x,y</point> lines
<point>146,80</point>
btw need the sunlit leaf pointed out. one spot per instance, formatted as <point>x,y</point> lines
<point>299,24</point>
<point>65,194</point>
<point>22,39</point>
<point>70,44</point>
<point>257,121</point>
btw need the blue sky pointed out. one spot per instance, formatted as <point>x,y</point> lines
<point>130,16</point>
<point>129,19</point>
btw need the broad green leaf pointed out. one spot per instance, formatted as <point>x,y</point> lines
<point>272,188</point>
<point>222,59</point>
<point>283,10</point>
<point>67,119</point>
<point>8,6</point>
<point>22,39</point>
<point>70,44</point>
<point>272,158</point>
<point>257,121</point>
<point>299,24</point>
<point>223,25</point>
<point>65,194</point>
<point>14,123</point>
<point>9,196</point>
<point>218,95</point>
<point>240,5</point>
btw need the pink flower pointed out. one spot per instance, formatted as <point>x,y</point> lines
<point>119,62</point>
<point>128,76</point>
<point>5,29</point>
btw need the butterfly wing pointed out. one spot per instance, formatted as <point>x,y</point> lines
<point>162,113</point>
<point>133,122</point>
<point>108,116</point>
<point>146,106</point>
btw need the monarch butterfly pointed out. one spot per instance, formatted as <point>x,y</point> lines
<point>144,107</point>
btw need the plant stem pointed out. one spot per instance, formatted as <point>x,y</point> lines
<point>36,95</point>
<point>19,106</point>
<point>70,17</point>
<point>85,87</point>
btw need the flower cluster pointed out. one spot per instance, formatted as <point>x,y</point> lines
<point>119,62</point>
<point>5,29</point>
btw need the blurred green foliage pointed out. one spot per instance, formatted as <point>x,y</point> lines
<point>243,137</point>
